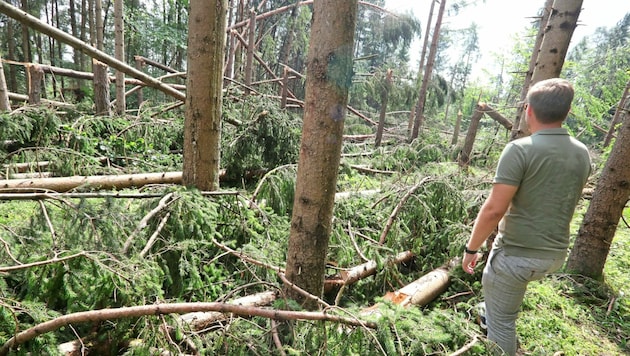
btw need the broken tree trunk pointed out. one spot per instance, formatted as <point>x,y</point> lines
<point>64,184</point>
<point>471,134</point>
<point>51,31</point>
<point>421,291</point>
<point>488,110</point>
<point>35,76</point>
<point>171,308</point>
<point>101,88</point>
<point>364,270</point>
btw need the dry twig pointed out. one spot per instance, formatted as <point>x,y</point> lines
<point>466,347</point>
<point>41,263</point>
<point>399,206</point>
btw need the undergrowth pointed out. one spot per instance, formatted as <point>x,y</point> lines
<point>173,244</point>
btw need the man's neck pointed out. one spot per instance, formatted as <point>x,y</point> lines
<point>540,126</point>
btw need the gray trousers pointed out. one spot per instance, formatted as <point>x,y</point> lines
<point>504,282</point>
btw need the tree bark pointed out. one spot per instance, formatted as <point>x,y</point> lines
<point>36,24</point>
<point>458,125</point>
<point>35,76</point>
<point>64,184</point>
<point>101,88</point>
<point>471,134</point>
<point>202,127</point>
<point>329,76</point>
<point>617,117</point>
<point>555,44</point>
<point>119,53</point>
<point>386,87</point>
<point>26,43</point>
<point>520,110</point>
<point>590,251</point>
<point>98,19</point>
<point>496,116</point>
<point>11,51</point>
<point>428,71</point>
<point>251,44</point>
<point>5,104</point>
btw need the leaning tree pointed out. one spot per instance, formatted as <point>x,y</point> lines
<point>596,234</point>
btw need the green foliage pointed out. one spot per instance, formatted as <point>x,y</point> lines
<point>410,157</point>
<point>267,137</point>
<point>36,126</point>
<point>277,189</point>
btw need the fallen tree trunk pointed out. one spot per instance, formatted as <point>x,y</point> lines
<point>364,270</point>
<point>421,291</point>
<point>201,320</point>
<point>70,73</point>
<point>24,98</point>
<point>74,42</point>
<point>64,184</point>
<point>170,308</point>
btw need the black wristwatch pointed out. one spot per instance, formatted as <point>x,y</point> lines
<point>470,252</point>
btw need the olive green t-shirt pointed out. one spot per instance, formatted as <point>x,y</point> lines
<point>550,169</point>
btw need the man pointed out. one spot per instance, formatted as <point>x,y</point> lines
<point>538,183</point>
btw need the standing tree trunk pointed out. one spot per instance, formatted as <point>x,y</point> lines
<point>553,49</point>
<point>202,127</point>
<point>35,75</point>
<point>101,88</point>
<point>386,87</point>
<point>5,105</point>
<point>119,53</point>
<point>98,19</point>
<point>471,134</point>
<point>458,125</point>
<point>251,44</point>
<point>520,110</point>
<point>328,79</point>
<point>12,83</point>
<point>26,40</point>
<point>428,69</point>
<point>592,244</point>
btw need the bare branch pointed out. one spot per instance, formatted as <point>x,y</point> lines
<point>153,237</point>
<point>143,223</point>
<point>169,308</point>
<point>42,263</point>
<point>466,347</point>
<point>399,206</point>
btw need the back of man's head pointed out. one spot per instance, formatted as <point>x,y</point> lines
<point>550,99</point>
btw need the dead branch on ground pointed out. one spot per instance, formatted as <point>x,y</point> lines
<point>390,220</point>
<point>170,308</point>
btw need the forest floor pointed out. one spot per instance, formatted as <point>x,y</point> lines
<point>567,315</point>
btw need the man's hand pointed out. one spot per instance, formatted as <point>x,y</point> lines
<point>469,262</point>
